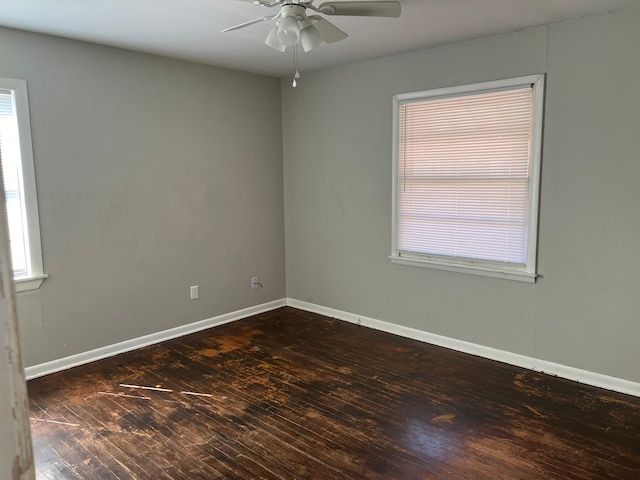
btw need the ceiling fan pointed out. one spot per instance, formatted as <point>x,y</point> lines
<point>293,27</point>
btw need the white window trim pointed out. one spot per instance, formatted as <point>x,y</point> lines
<point>37,275</point>
<point>528,272</point>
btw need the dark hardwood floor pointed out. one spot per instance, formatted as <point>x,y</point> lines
<point>294,395</point>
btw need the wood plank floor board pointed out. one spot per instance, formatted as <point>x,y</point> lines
<point>323,412</point>
<point>127,431</point>
<point>68,456</point>
<point>486,395</point>
<point>124,456</point>
<point>294,395</point>
<point>124,447</point>
<point>219,425</point>
<point>243,411</point>
<point>167,445</point>
<point>72,459</point>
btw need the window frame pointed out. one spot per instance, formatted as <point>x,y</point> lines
<point>35,271</point>
<point>526,273</point>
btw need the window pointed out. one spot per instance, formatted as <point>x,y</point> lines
<point>19,185</point>
<point>466,177</point>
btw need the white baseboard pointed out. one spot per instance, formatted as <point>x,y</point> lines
<point>564,371</point>
<point>128,345</point>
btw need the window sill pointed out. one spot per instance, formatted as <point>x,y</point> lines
<point>26,284</point>
<point>504,274</point>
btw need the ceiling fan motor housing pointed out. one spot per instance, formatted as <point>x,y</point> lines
<point>293,10</point>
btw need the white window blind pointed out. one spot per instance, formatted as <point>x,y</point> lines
<point>464,177</point>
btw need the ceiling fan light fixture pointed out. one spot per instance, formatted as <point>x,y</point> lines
<point>289,31</point>
<point>273,42</point>
<point>310,37</point>
<point>294,29</point>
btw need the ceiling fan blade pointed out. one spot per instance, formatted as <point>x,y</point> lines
<point>361,9</point>
<point>251,22</point>
<point>328,31</point>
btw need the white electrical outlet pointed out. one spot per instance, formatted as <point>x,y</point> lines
<point>194,292</point>
<point>255,283</point>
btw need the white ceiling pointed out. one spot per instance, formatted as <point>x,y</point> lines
<point>190,29</point>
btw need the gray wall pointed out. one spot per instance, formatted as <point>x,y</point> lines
<point>152,175</point>
<point>585,308</point>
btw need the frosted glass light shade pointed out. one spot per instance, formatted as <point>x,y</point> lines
<point>289,31</point>
<point>273,42</point>
<point>309,36</point>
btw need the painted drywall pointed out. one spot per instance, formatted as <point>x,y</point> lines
<point>153,175</point>
<point>583,311</point>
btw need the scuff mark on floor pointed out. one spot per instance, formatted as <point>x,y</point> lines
<point>33,419</point>
<point>447,418</point>
<point>535,411</point>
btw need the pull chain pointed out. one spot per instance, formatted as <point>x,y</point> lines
<point>296,75</point>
